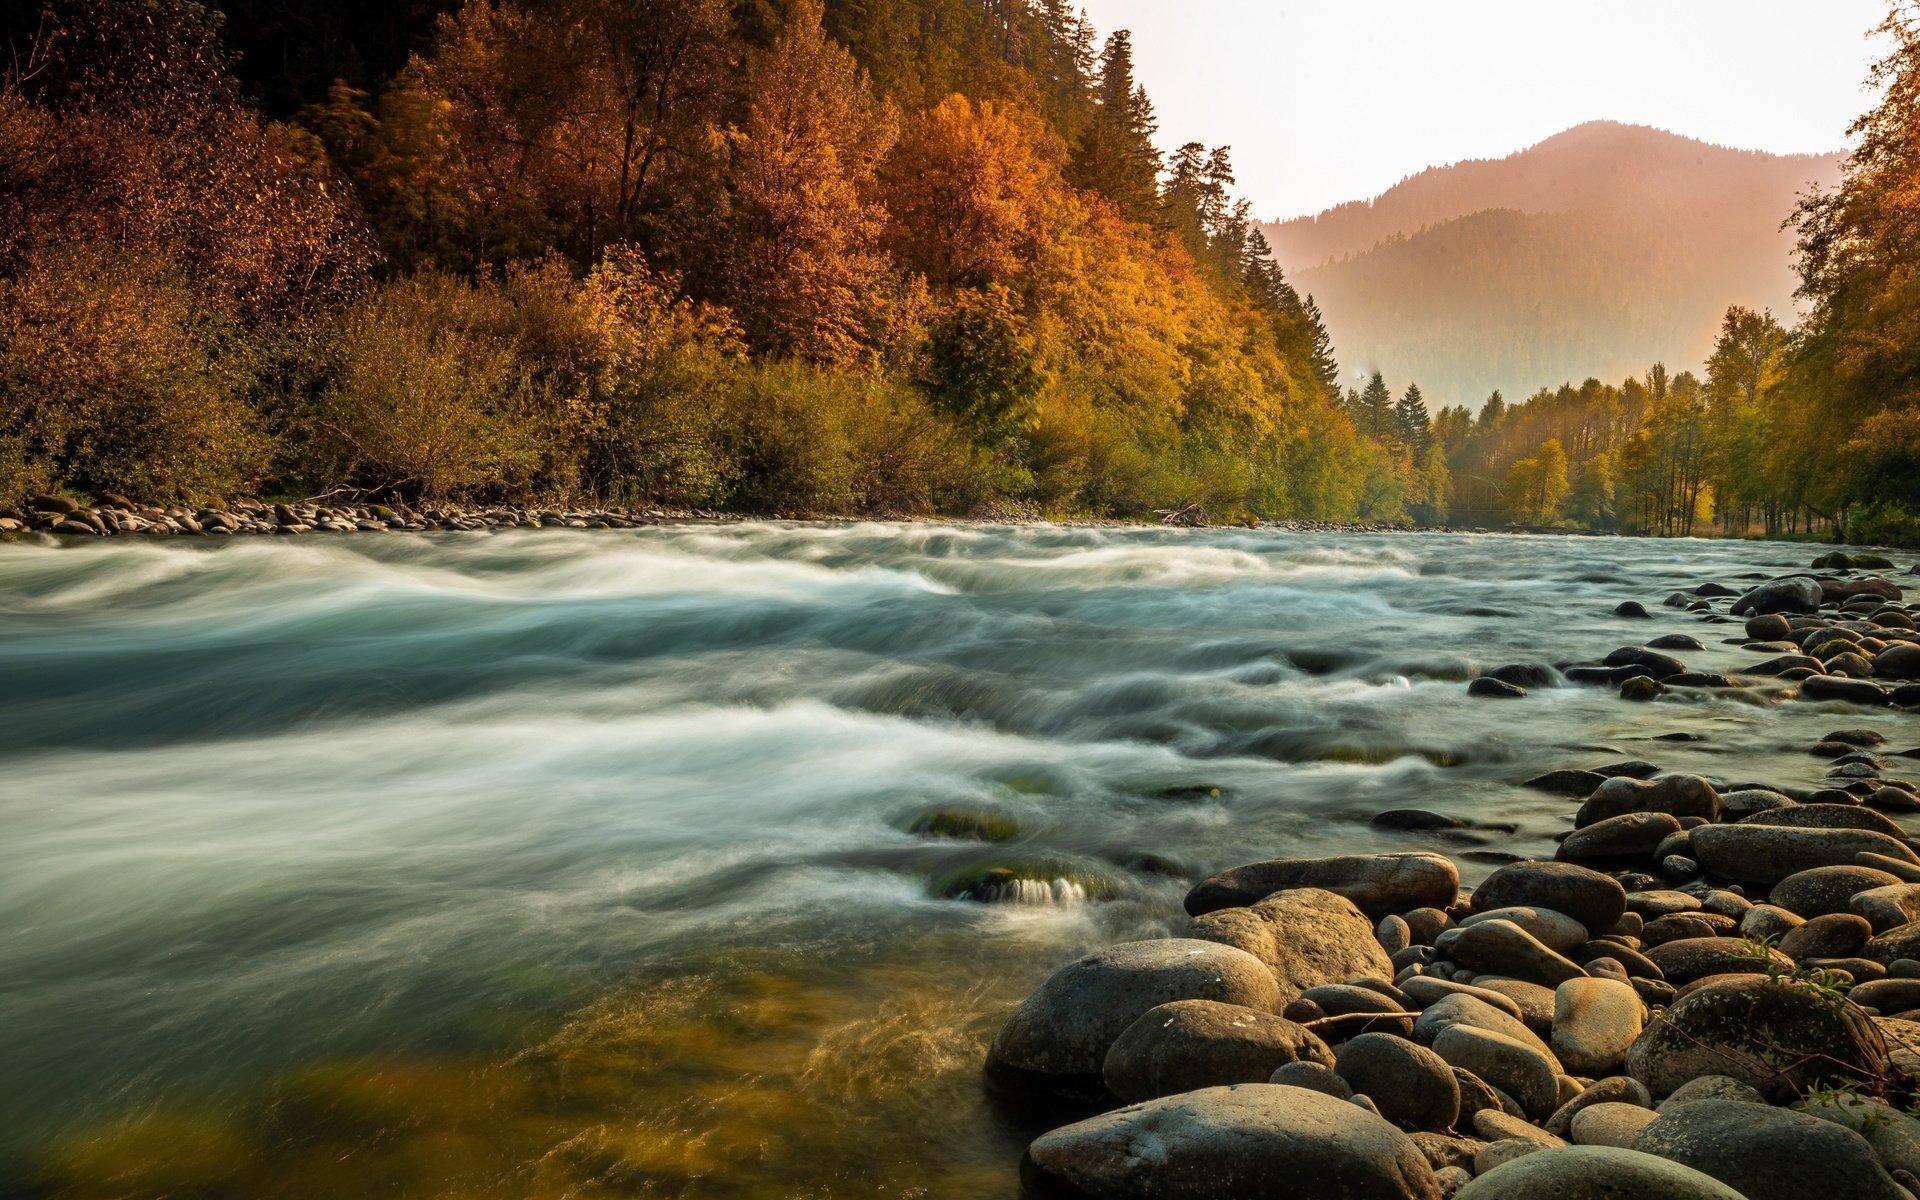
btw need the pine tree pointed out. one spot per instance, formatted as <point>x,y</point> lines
<point>1326,368</point>
<point>1415,425</point>
<point>1116,157</point>
<point>1376,412</point>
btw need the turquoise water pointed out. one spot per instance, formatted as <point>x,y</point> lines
<point>556,863</point>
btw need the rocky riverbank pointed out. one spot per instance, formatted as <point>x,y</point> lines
<point>1711,992</point>
<point>112,515</point>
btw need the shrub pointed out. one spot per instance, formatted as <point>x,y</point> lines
<point>114,378</point>
<point>430,396</point>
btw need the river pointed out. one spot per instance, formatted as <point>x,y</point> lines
<point>546,864</point>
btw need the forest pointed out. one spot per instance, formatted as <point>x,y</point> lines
<point>783,256</point>
<point>886,256</point>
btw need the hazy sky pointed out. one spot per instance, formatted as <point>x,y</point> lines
<point>1325,101</point>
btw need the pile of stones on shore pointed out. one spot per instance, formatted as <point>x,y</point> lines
<point>1711,992</point>
<point>113,515</point>
<point>1834,635</point>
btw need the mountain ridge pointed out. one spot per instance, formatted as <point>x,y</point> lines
<point>1623,246</point>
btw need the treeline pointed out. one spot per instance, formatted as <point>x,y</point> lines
<point>879,256</point>
<point>1807,430</point>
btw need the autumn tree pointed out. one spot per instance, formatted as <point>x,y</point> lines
<point>1536,485</point>
<point>966,188</point>
<point>1859,358</point>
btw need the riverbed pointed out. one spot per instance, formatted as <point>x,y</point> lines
<point>611,863</point>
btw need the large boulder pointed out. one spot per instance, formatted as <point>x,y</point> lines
<point>1307,937</point>
<point>1794,594</point>
<point>1594,1173</point>
<point>1675,795</point>
<point>1769,1153</point>
<point>1257,1141</point>
<point>1770,853</point>
<point>1772,1036</point>
<point>1894,1136</point>
<point>1378,884</point>
<point>1595,900</point>
<point>1059,1036</point>
<point>1186,1045</point>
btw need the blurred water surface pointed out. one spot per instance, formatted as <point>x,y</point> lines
<point>586,864</point>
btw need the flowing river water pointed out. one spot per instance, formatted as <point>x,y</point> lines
<point>556,864</point>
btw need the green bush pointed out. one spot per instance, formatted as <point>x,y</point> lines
<point>804,439</point>
<point>430,395</point>
<point>114,378</point>
<point>1885,524</point>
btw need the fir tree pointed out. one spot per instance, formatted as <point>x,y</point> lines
<point>1115,156</point>
<point>1375,412</point>
<point>1415,425</point>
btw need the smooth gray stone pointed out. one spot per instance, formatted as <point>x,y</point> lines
<point>1770,853</point>
<point>1066,1026</point>
<point>1186,1045</point>
<point>1769,1153</point>
<point>1257,1141</point>
<point>1412,1086</point>
<point>1595,1173</point>
<point>1500,947</point>
<point>1378,883</point>
<point>1507,1063</point>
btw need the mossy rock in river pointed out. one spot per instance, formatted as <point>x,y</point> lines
<point>1842,561</point>
<point>1834,649</point>
<point>1041,882</point>
<point>1642,688</point>
<point>969,825</point>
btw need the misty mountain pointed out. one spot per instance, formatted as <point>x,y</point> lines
<point>1594,253</point>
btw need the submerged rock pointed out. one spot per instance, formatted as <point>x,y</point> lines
<point>1495,689</point>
